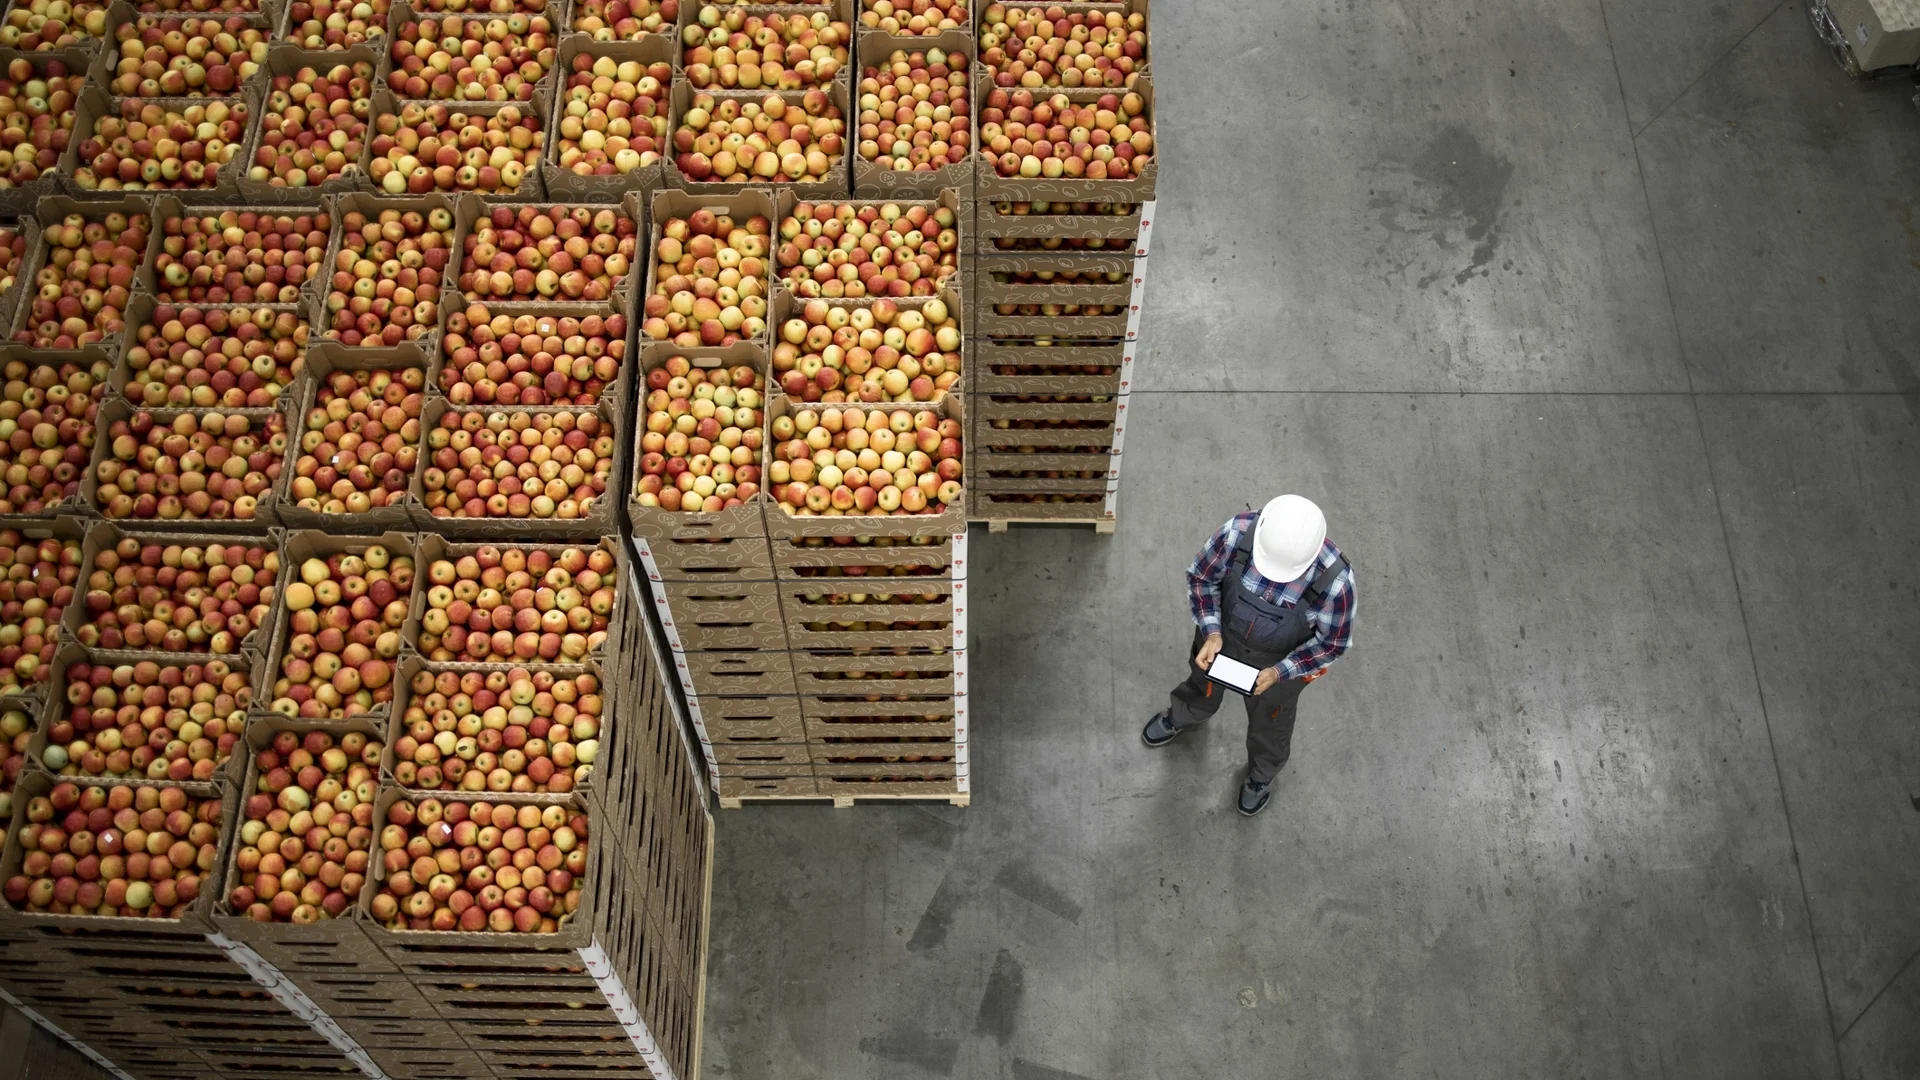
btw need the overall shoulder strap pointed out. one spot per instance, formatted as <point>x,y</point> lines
<point>1242,552</point>
<point>1323,584</point>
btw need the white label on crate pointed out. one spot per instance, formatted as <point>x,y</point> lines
<point>1145,240</point>
<point>630,1020</point>
<point>1113,501</point>
<point>959,616</point>
<point>55,1030</point>
<point>958,569</point>
<point>647,564</point>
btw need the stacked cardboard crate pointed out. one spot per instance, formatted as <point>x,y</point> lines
<point>1056,289</point>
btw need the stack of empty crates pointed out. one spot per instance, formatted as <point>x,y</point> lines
<point>1056,284</point>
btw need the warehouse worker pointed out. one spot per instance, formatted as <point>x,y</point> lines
<point>1270,590</point>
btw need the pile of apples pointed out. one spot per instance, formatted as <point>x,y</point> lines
<point>548,253</point>
<point>731,50</point>
<point>880,351</point>
<point>546,466</point>
<point>425,148</point>
<point>178,598</point>
<point>770,141</point>
<point>335,24</point>
<point>306,829</point>
<point>240,257</point>
<point>613,115</point>
<point>480,866</point>
<point>315,125</point>
<point>16,731</point>
<point>386,280</point>
<point>709,281</point>
<point>81,291</point>
<point>472,59</point>
<point>857,250</point>
<point>132,851</point>
<point>151,721</point>
<point>499,731</point>
<point>150,146</point>
<point>531,359</point>
<point>361,441</point>
<point>625,20</point>
<point>47,414</point>
<point>37,582</point>
<point>13,248</point>
<point>214,358</point>
<point>344,614</point>
<point>854,461</point>
<point>914,114</point>
<point>914,18</point>
<point>198,466</point>
<point>506,603</point>
<point>1035,47</point>
<point>1108,139</point>
<point>43,25</point>
<point>36,119</point>
<point>192,57</point>
<point>702,447</point>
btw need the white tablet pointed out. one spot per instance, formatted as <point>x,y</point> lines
<point>1232,673</point>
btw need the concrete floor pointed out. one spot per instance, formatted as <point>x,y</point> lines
<point>1594,328</point>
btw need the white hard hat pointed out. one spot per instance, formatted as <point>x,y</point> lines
<point>1288,538</point>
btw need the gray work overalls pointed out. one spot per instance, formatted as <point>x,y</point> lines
<point>1261,633</point>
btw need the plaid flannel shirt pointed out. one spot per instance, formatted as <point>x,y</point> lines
<point>1332,620</point>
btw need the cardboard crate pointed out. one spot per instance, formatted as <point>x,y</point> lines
<point>1113,225</point>
<point>716,673</point>
<point>952,200</point>
<point>837,182</point>
<point>787,306</point>
<point>811,558</point>
<point>989,185</point>
<point>56,708</point>
<point>52,210</point>
<point>197,204</point>
<point>403,511</point>
<point>426,341</point>
<point>829,730</point>
<point>671,202</point>
<point>1002,367</point>
<point>95,362</point>
<point>599,518</point>
<point>619,300</point>
<point>746,520</point>
<point>782,525</point>
<point>1026,322</point>
<point>1123,7</point>
<point>299,546</point>
<point>814,602</point>
<point>285,59</point>
<point>140,312</point>
<point>746,615</point>
<point>1878,33</point>
<point>1004,506</point>
<point>531,188</point>
<point>563,182</point>
<point>890,781</point>
<point>555,13</point>
<point>95,102</point>
<point>22,199</point>
<point>995,407</point>
<point>835,750</point>
<point>797,784</point>
<point>433,548</point>
<point>736,756</point>
<point>928,672</point>
<point>874,181</point>
<point>261,423</point>
<point>989,289</point>
<point>121,13</point>
<point>753,719</point>
<point>704,558</point>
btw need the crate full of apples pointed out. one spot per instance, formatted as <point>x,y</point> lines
<point>206,356</point>
<point>610,106</point>
<point>359,435</point>
<point>770,48</point>
<point>562,253</point>
<point>878,470</point>
<point>192,468</point>
<point>1091,46</point>
<point>144,716</point>
<point>316,111</point>
<point>43,89</point>
<point>1045,366</point>
<point>1058,145</point>
<point>913,106</point>
<point>360,306</point>
<point>885,611</point>
<point>81,269</point>
<point>305,828</point>
<point>707,281</point>
<point>504,471</point>
<point>455,147</point>
<point>1085,227</point>
<point>700,445</point>
<point>228,255</point>
<point>872,350</point>
<point>82,853</point>
<point>159,144</point>
<point>514,602</point>
<point>49,423</point>
<point>499,729</point>
<point>872,248</point>
<point>345,601</point>
<point>179,593</point>
<point>470,57</point>
<point>485,866</point>
<point>39,582</point>
<point>730,141</point>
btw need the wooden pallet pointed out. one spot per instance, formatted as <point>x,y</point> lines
<point>845,802</point>
<point>1101,525</point>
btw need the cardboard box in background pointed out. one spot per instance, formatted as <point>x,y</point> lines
<point>871,180</point>
<point>564,183</point>
<point>1880,33</point>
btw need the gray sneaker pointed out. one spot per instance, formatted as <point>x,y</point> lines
<point>1254,796</point>
<point>1159,730</point>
